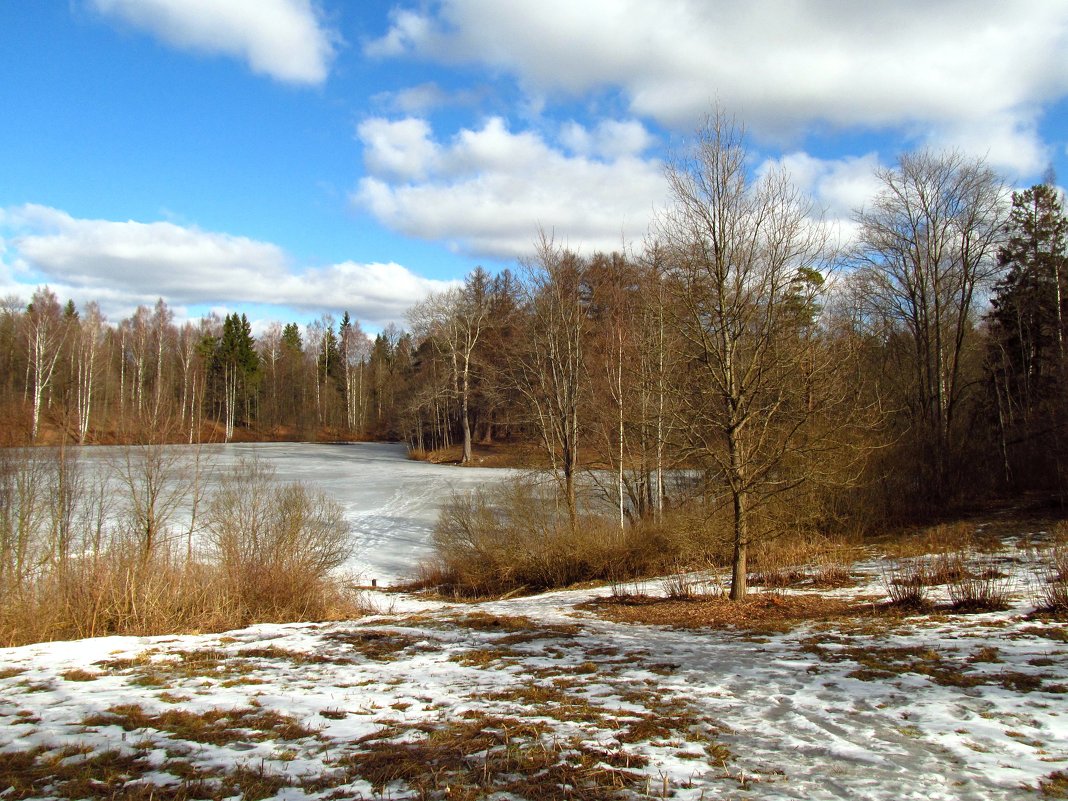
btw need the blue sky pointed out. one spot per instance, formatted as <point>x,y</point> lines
<point>293,157</point>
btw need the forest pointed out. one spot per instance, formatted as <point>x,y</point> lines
<point>743,369</point>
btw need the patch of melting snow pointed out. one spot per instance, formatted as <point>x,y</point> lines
<point>786,723</point>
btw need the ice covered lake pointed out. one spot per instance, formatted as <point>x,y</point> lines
<point>390,502</point>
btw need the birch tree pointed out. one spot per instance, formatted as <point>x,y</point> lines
<point>45,334</point>
<point>355,350</point>
<point>454,321</point>
<point>89,343</point>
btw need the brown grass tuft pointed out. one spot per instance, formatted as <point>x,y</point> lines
<point>483,756</point>
<point>215,726</point>
<point>758,612</point>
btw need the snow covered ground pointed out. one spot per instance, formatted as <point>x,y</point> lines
<point>543,698</point>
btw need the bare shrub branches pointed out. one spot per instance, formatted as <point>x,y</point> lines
<point>83,558</point>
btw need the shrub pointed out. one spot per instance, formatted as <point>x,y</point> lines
<point>68,568</point>
<point>1051,587</point>
<point>276,544</point>
<point>517,535</point>
<point>906,582</point>
<point>978,586</point>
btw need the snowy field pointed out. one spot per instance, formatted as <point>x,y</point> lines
<point>545,698</point>
<point>390,501</point>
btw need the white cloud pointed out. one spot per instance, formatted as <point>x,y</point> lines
<point>284,39</point>
<point>415,99</point>
<point>400,148</point>
<point>426,97</point>
<point>945,68</point>
<point>123,264</point>
<point>1008,141</point>
<point>407,30</point>
<point>609,138</point>
<point>488,190</point>
<point>838,187</point>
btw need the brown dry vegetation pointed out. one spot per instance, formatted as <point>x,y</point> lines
<point>78,559</point>
<point>758,612</point>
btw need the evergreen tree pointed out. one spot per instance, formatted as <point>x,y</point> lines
<point>1027,349</point>
<point>291,338</point>
<point>237,365</point>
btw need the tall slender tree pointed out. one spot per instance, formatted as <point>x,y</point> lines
<point>927,250</point>
<point>1027,333</point>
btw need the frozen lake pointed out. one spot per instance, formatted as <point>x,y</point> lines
<point>391,503</point>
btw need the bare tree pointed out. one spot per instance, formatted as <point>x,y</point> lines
<point>90,338</point>
<point>746,258</point>
<point>355,351</point>
<point>46,331</point>
<point>453,321</point>
<point>550,370</point>
<point>927,250</point>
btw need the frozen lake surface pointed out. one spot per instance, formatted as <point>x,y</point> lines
<point>390,502</point>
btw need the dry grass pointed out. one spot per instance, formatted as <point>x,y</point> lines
<point>376,644</point>
<point>481,756</point>
<point>77,773</point>
<point>758,612</point>
<point>215,726</point>
<point>550,701</point>
<point>803,559</point>
<point>880,663</point>
<point>418,454</point>
<point>150,669</point>
<point>77,674</point>
<point>937,539</point>
<point>1055,785</point>
<point>1050,592</point>
<point>487,657</point>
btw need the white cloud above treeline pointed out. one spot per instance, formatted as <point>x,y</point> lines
<point>284,39</point>
<point>486,191</point>
<point>123,264</point>
<point>967,73</point>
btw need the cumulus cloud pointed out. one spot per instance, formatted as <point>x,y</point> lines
<point>123,264</point>
<point>284,39</point>
<point>838,187</point>
<point>408,30</point>
<point>609,138</point>
<point>946,69</point>
<point>1005,140</point>
<point>400,148</point>
<point>487,190</point>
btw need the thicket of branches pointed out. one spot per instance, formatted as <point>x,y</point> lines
<point>741,368</point>
<point>134,545</point>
